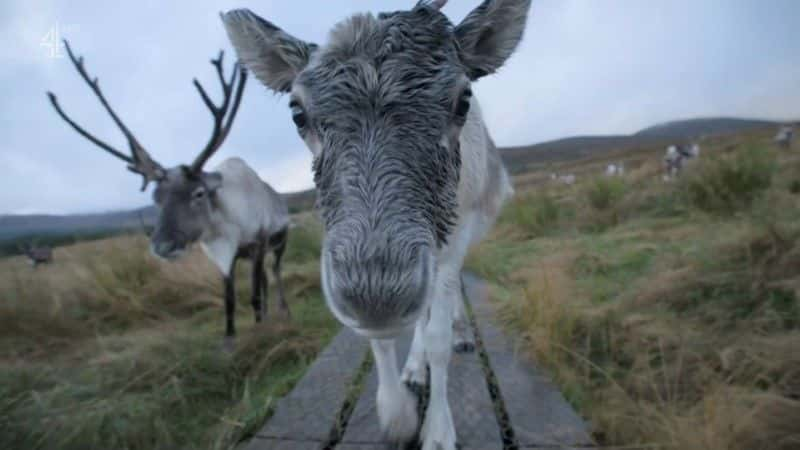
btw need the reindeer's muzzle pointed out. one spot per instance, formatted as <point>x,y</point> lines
<point>168,247</point>
<point>378,293</point>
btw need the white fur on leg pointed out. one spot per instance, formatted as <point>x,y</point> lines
<point>462,338</point>
<point>438,431</point>
<point>396,405</point>
<point>414,369</point>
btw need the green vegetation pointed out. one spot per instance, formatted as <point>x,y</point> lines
<point>604,192</point>
<point>110,348</point>
<point>675,321</point>
<point>536,213</point>
<point>724,183</point>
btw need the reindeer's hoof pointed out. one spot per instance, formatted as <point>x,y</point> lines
<point>464,347</point>
<point>228,345</point>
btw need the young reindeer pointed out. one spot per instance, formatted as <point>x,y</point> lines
<point>230,211</point>
<point>406,172</point>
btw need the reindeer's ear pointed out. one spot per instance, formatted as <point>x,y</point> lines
<point>272,55</point>
<point>490,34</point>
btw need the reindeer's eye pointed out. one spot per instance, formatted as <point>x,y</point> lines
<point>200,193</point>
<point>462,107</point>
<point>298,115</point>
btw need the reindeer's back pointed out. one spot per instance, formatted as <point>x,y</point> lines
<point>249,202</point>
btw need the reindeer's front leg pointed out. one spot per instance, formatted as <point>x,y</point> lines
<point>438,431</point>
<point>462,337</point>
<point>414,370</point>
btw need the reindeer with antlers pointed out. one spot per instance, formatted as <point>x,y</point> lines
<point>230,211</point>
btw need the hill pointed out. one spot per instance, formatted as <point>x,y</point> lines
<point>521,159</point>
<point>517,159</point>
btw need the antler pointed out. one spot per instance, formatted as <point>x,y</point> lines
<point>221,125</point>
<point>140,161</point>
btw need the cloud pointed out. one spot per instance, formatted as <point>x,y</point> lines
<point>289,175</point>
<point>583,68</point>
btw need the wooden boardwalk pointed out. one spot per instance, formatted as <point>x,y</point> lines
<point>498,400</point>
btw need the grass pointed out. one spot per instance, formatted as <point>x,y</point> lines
<point>724,183</point>
<point>670,319</point>
<point>534,214</point>
<point>110,348</point>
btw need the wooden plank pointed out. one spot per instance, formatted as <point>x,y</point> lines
<point>309,412</point>
<point>470,404</point>
<point>363,426</point>
<point>539,415</point>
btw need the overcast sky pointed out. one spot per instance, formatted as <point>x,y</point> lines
<point>584,67</point>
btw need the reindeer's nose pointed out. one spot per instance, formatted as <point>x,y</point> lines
<point>165,249</point>
<point>381,291</point>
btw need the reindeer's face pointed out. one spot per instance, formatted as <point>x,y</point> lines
<point>187,204</point>
<point>381,107</point>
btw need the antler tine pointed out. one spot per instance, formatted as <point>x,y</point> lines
<point>140,161</point>
<point>225,113</point>
<point>84,133</point>
<point>237,99</point>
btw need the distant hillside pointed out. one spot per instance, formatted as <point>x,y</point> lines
<point>519,159</point>
<point>14,227</point>
<point>704,127</point>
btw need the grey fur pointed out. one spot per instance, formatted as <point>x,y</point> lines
<point>231,212</point>
<point>271,54</point>
<point>380,101</point>
<point>490,34</point>
<point>385,106</point>
<point>186,202</point>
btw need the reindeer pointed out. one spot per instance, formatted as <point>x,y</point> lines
<point>568,179</point>
<point>785,136</point>
<point>676,157</point>
<point>38,255</point>
<point>406,172</point>
<point>615,170</point>
<point>229,211</point>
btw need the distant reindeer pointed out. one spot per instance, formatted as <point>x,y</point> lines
<point>407,176</point>
<point>229,211</point>
<point>785,136</point>
<point>676,157</point>
<point>615,170</point>
<point>38,255</point>
<point>567,179</point>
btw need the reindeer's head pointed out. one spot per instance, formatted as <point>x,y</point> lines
<point>185,195</point>
<point>381,106</point>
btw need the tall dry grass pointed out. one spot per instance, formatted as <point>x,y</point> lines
<point>109,347</point>
<point>668,327</point>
